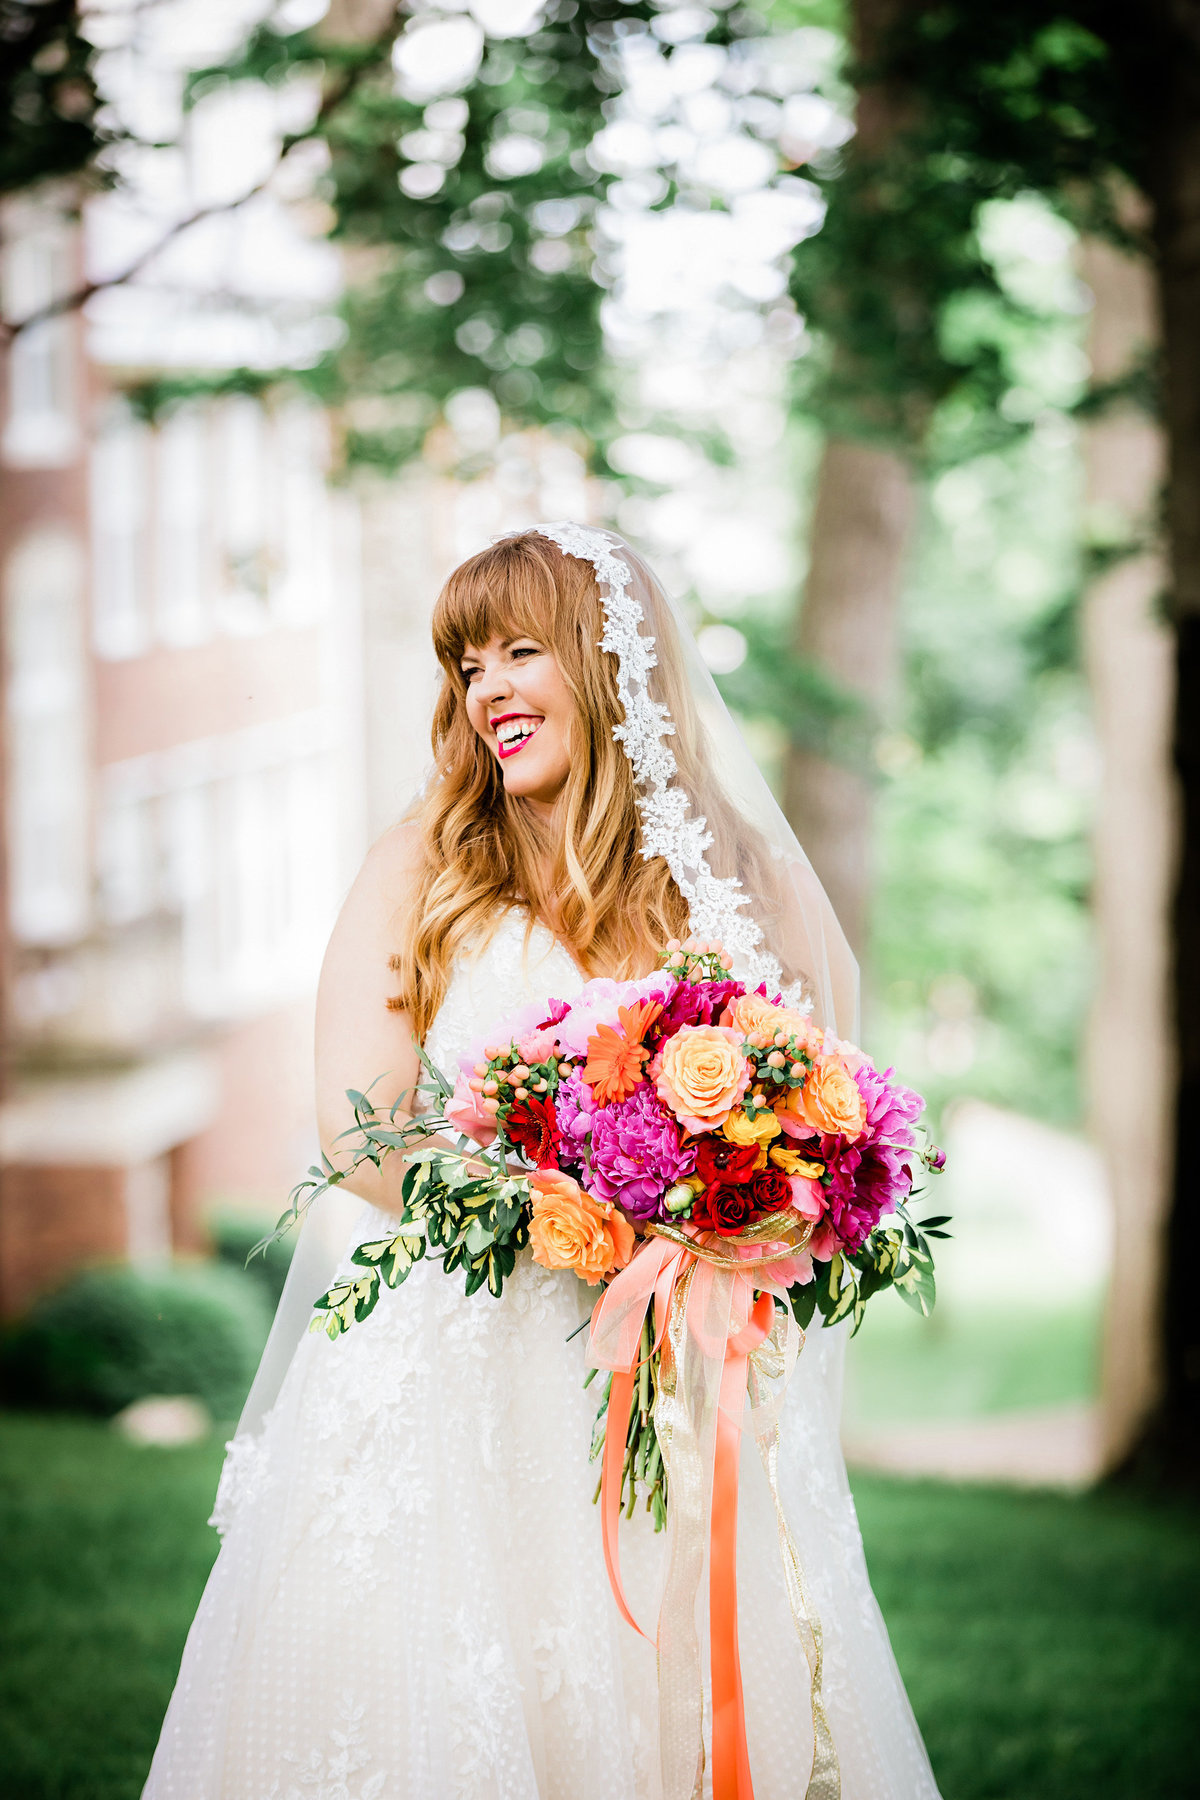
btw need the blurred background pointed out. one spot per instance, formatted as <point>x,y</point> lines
<point>875,325</point>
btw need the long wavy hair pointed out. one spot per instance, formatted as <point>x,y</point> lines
<point>484,850</point>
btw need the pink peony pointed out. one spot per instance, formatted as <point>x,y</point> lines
<point>574,1107</point>
<point>465,1112</point>
<point>891,1108</point>
<point>636,1153</point>
<point>600,1001</point>
<point>506,1032</point>
<point>866,1182</point>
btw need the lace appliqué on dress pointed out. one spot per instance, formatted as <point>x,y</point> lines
<point>332,1774</point>
<point>243,1477</point>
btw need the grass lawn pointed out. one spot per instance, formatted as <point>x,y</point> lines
<point>968,1361</point>
<point>1050,1645</point>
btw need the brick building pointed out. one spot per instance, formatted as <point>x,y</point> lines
<point>182,772</point>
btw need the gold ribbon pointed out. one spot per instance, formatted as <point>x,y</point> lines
<point>770,1362</point>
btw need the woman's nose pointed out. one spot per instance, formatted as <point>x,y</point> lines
<point>496,684</point>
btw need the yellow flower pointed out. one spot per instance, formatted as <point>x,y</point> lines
<point>740,1128</point>
<point>793,1162</point>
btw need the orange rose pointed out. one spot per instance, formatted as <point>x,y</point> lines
<point>829,1102</point>
<point>799,1025</point>
<point>701,1074</point>
<point>571,1230</point>
<point>750,1012</point>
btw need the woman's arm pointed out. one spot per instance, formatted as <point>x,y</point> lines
<point>358,1039</point>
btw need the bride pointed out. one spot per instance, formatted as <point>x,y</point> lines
<point>410,1602</point>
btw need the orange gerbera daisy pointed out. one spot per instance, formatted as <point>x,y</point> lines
<point>616,1058</point>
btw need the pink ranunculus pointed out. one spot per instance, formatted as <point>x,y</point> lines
<point>536,1046</point>
<point>824,1244</point>
<point>465,1112</point>
<point>808,1196</point>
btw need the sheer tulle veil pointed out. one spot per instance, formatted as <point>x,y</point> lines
<point>411,1598</point>
<point>706,808</point>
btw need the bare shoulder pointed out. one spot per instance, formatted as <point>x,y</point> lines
<point>384,886</point>
<point>393,861</point>
<point>388,878</point>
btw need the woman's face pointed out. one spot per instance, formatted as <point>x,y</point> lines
<point>522,708</point>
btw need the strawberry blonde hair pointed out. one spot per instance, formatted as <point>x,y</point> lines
<point>482,849</point>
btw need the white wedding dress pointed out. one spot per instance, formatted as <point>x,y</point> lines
<point>410,1602</point>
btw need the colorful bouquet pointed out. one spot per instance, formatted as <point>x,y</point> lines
<point>722,1168</point>
<point>677,1100</point>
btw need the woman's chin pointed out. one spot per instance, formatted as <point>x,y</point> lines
<point>542,786</point>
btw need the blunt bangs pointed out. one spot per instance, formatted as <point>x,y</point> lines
<point>508,591</point>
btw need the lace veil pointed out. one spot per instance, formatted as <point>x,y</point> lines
<point>706,808</point>
<point>704,804</point>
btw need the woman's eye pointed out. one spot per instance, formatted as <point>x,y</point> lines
<point>526,650</point>
<point>469,675</point>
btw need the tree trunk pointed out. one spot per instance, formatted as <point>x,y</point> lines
<point>1130,664</point>
<point>848,627</point>
<point>860,527</point>
<point>1175,191</point>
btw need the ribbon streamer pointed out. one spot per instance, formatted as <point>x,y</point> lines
<point>717,1334</point>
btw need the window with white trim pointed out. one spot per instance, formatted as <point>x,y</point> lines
<point>119,509</point>
<point>41,430</point>
<point>47,725</point>
<point>183,573</point>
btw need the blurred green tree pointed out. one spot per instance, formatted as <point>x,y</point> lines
<point>48,100</point>
<point>468,215</point>
<point>961,105</point>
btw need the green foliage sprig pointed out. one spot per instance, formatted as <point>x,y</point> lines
<point>643,1471</point>
<point>895,1255</point>
<point>477,1221</point>
<point>465,1203</point>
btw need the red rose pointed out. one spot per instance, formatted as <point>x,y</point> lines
<point>771,1191</point>
<point>719,1161</point>
<point>724,1207</point>
<point>530,1126</point>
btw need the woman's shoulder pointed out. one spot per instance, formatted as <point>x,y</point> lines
<point>394,861</point>
<point>387,883</point>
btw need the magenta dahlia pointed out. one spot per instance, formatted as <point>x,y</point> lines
<point>695,1003</point>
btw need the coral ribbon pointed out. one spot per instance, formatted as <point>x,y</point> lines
<point>654,1275</point>
<point>731,1758</point>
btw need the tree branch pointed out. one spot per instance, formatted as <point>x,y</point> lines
<point>337,93</point>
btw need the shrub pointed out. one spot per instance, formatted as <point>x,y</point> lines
<point>112,1335</point>
<point>234,1236</point>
